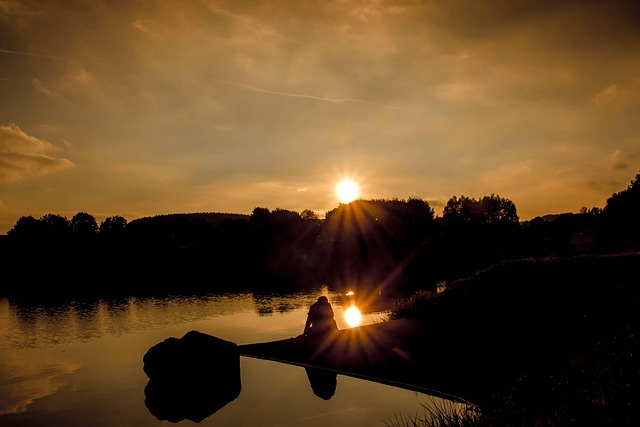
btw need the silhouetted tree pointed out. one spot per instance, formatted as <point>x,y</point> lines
<point>419,209</point>
<point>621,217</point>
<point>56,228</point>
<point>497,209</point>
<point>284,217</point>
<point>625,204</point>
<point>27,228</point>
<point>56,221</point>
<point>113,225</point>
<point>537,238</point>
<point>488,210</point>
<point>308,214</point>
<point>374,244</point>
<point>260,217</point>
<point>83,226</point>
<point>282,248</point>
<point>477,233</point>
<point>367,244</point>
<point>595,211</point>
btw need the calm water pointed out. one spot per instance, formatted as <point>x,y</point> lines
<point>80,364</point>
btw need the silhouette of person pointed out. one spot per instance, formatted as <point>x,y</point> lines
<point>323,383</point>
<point>320,319</point>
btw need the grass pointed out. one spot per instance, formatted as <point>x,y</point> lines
<point>566,333</point>
<point>436,414</point>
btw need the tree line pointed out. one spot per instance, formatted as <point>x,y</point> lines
<point>382,245</point>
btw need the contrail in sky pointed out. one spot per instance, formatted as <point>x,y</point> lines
<point>296,95</point>
<point>6,79</point>
<point>225,82</point>
<point>37,55</point>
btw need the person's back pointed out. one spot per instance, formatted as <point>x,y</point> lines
<point>320,318</point>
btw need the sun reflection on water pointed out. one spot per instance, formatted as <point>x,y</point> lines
<point>353,316</point>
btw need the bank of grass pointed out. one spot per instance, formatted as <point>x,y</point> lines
<point>550,341</point>
<point>441,415</point>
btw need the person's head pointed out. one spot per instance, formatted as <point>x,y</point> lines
<point>323,300</point>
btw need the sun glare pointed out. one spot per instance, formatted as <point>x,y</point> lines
<point>347,190</point>
<point>353,316</point>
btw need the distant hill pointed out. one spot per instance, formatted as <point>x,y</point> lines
<point>214,218</point>
<point>548,217</point>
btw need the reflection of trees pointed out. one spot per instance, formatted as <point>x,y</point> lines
<point>267,304</point>
<point>57,322</point>
<point>82,320</point>
<point>384,245</point>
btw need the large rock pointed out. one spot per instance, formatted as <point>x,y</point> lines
<point>191,377</point>
<point>193,354</point>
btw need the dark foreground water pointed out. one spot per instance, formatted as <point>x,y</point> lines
<point>80,363</point>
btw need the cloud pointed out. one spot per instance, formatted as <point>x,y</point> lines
<point>23,156</point>
<point>619,160</point>
<point>606,95</point>
<point>430,98</point>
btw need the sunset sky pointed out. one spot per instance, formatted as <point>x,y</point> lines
<point>140,108</point>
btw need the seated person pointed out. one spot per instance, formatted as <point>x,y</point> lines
<point>320,319</point>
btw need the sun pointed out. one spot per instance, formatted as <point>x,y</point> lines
<point>347,190</point>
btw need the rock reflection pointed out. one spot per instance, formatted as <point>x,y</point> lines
<point>323,382</point>
<point>190,398</point>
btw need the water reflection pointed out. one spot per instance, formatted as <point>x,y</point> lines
<point>30,326</point>
<point>195,376</point>
<point>269,304</point>
<point>357,305</point>
<point>81,361</point>
<point>353,316</point>
<point>23,381</point>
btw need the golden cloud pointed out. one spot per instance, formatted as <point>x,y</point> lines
<point>23,156</point>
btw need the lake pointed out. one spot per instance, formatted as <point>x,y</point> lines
<point>80,363</point>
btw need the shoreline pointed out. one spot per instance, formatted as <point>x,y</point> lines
<point>548,339</point>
